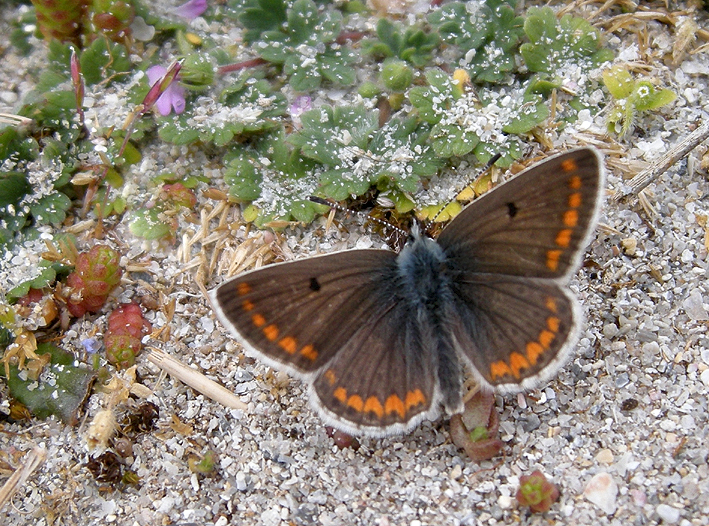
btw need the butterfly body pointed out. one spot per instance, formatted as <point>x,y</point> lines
<point>383,339</point>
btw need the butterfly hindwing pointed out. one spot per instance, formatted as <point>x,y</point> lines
<point>515,332</point>
<point>382,380</point>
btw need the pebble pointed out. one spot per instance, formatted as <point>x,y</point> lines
<point>668,514</point>
<point>605,456</point>
<point>602,491</point>
<point>694,306</point>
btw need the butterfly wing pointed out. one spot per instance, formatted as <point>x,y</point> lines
<point>516,332</point>
<point>339,322</point>
<point>535,225</point>
<point>510,254</point>
<point>296,315</point>
<point>382,380</point>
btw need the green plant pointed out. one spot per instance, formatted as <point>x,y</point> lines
<point>59,390</point>
<point>356,154</point>
<point>487,34</point>
<point>275,179</point>
<point>536,492</point>
<point>562,52</point>
<point>404,42</point>
<point>248,107</point>
<point>482,123</point>
<point>306,48</point>
<point>629,97</point>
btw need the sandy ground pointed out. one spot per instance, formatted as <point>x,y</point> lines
<point>645,293</point>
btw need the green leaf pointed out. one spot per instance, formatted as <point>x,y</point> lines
<point>104,60</point>
<point>646,97</point>
<point>51,209</point>
<point>404,42</point>
<point>243,179</point>
<point>45,278</point>
<point>13,187</point>
<point>450,140</point>
<point>268,15</point>
<point>487,34</point>
<point>61,389</point>
<point>307,49</point>
<point>151,224</point>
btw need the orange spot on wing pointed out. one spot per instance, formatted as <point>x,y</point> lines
<point>571,218</point>
<point>341,394</point>
<point>288,344</point>
<point>330,377</point>
<point>258,320</point>
<point>569,165</point>
<point>545,338</point>
<point>553,259</point>
<point>271,332</point>
<point>575,200</point>
<point>553,323</point>
<point>574,182</point>
<point>373,405</point>
<point>414,398</point>
<point>499,369</point>
<point>534,351</point>
<point>356,403</point>
<point>309,352</point>
<point>518,362</point>
<point>563,238</point>
<point>243,288</point>
<point>394,404</point>
<point>550,304</point>
<point>247,305</point>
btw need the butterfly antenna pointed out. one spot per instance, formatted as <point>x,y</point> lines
<point>485,169</point>
<point>365,216</point>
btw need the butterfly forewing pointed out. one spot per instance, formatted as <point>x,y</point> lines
<point>299,314</point>
<point>535,225</point>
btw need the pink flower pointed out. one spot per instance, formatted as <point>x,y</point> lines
<point>191,9</point>
<point>172,97</point>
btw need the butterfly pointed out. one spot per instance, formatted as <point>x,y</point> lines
<point>384,339</point>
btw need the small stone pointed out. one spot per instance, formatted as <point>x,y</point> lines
<point>639,497</point>
<point>456,472</point>
<point>694,306</point>
<point>505,502</point>
<point>605,456</point>
<point>668,514</point>
<point>705,377</point>
<point>602,491</point>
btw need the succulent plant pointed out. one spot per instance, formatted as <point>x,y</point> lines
<point>95,275</point>
<point>126,327</point>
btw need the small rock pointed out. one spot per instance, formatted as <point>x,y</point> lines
<point>605,456</point>
<point>694,306</point>
<point>456,472</point>
<point>505,502</point>
<point>668,514</point>
<point>602,491</point>
<point>705,377</point>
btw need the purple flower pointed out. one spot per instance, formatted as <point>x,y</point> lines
<point>299,106</point>
<point>172,97</point>
<point>191,9</point>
